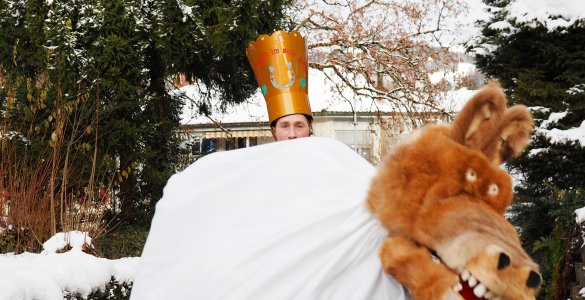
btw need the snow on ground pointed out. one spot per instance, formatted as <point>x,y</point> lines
<point>77,240</point>
<point>48,274</point>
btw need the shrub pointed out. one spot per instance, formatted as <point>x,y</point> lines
<point>113,290</point>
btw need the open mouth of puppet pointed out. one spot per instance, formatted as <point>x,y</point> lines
<point>472,289</point>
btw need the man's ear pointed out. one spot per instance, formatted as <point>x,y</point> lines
<point>273,131</point>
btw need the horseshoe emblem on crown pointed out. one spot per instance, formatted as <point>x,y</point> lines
<point>291,73</point>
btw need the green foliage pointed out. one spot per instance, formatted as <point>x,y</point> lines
<point>93,77</point>
<point>553,252</point>
<point>542,68</point>
<point>8,242</point>
<point>559,165</point>
<point>122,241</point>
<point>113,290</point>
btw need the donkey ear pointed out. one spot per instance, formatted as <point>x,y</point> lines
<point>514,135</point>
<point>475,124</point>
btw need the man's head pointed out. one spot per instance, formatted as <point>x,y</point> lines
<point>291,127</point>
<point>279,62</point>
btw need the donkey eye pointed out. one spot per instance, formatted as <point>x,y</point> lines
<point>493,189</point>
<point>471,175</point>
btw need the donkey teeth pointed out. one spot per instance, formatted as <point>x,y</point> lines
<point>465,275</point>
<point>472,281</point>
<point>479,290</point>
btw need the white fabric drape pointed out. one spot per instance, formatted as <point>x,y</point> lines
<point>283,220</point>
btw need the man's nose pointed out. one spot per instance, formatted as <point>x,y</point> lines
<point>292,134</point>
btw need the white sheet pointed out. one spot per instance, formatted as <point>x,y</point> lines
<point>284,220</point>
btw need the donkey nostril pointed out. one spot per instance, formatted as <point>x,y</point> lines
<point>533,280</point>
<point>503,261</point>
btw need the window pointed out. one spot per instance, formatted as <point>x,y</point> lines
<point>208,145</point>
<point>241,142</point>
<point>196,147</point>
<point>353,138</point>
<point>230,144</point>
<point>358,140</point>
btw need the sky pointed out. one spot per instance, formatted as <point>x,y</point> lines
<point>45,275</point>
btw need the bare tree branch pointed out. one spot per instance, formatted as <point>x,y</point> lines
<point>384,51</point>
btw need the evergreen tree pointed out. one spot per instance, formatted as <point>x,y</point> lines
<point>22,55</point>
<point>117,54</point>
<point>93,77</point>
<point>205,41</point>
<point>543,68</point>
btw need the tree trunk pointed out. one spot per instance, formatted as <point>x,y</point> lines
<point>561,284</point>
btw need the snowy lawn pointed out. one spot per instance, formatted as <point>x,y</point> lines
<point>53,274</point>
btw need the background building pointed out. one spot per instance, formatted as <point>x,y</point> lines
<point>369,128</point>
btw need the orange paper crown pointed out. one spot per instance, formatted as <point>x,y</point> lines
<point>279,62</point>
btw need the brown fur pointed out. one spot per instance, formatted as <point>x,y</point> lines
<point>434,166</point>
<point>484,124</point>
<point>443,189</point>
<point>429,280</point>
<point>466,236</point>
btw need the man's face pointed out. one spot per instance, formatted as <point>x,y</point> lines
<point>291,127</point>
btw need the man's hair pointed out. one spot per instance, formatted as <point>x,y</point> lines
<point>309,119</point>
